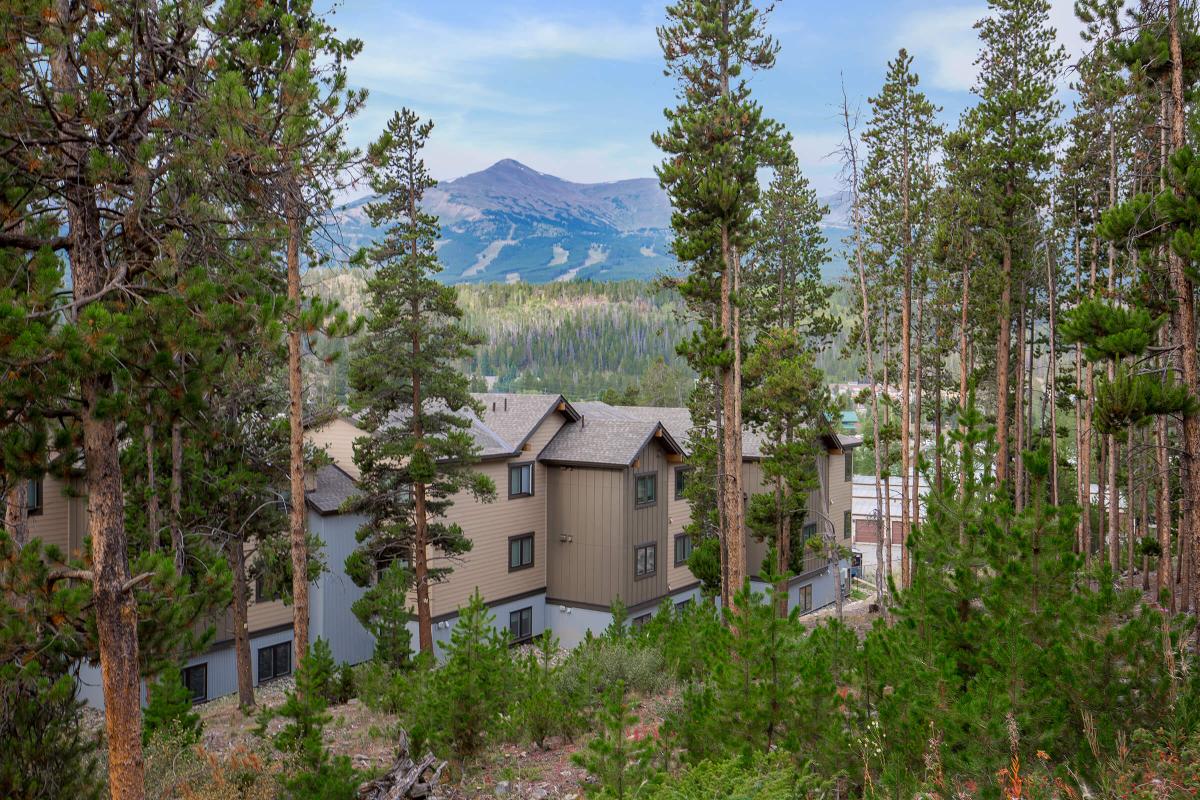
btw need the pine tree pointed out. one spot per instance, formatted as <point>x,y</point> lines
<point>1015,121</point>
<point>623,769</point>
<point>716,140</point>
<point>413,401</point>
<point>170,708</point>
<point>898,181</point>
<point>383,611</point>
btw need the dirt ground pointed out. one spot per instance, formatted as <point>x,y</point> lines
<point>507,771</point>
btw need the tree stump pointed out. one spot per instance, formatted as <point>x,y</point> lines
<point>407,779</point>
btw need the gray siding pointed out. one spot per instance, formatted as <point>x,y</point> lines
<point>331,596</point>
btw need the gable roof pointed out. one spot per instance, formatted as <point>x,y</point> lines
<point>598,440</point>
<point>334,487</point>
<point>510,419</point>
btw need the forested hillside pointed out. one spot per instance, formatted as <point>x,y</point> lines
<point>585,339</point>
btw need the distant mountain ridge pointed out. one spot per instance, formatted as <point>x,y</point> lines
<point>511,223</point>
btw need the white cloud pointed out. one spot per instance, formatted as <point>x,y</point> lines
<point>944,43</point>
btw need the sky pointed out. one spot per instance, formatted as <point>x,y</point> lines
<point>575,88</point>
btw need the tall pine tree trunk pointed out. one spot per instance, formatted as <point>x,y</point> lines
<point>241,627</point>
<point>731,413</point>
<point>1052,375</point>
<point>915,499</point>
<point>152,512</point>
<point>1186,329</point>
<point>906,454</point>
<point>1018,473</point>
<point>298,541</point>
<point>114,605</point>
<point>1114,501</point>
<point>177,548</point>
<point>16,512</point>
<point>1002,343</point>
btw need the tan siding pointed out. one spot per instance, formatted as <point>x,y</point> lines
<point>679,514</point>
<point>260,616</point>
<point>337,437</point>
<point>585,508</point>
<point>840,493</point>
<point>489,526</point>
<point>756,550</point>
<point>53,524</point>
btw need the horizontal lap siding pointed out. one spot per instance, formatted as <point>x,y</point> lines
<point>752,484</point>
<point>840,493</point>
<point>679,515</point>
<point>337,437</point>
<point>63,521</point>
<point>489,526</point>
<point>646,525</point>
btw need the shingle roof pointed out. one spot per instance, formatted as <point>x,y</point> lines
<point>604,441</point>
<point>510,419</point>
<point>334,487</point>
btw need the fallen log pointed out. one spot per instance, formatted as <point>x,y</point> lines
<point>407,779</point>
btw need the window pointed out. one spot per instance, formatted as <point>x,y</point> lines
<point>640,622</point>
<point>520,624</point>
<point>806,598</point>
<point>848,461</point>
<point>683,548</point>
<point>847,522</point>
<point>646,489</point>
<point>261,593</point>
<point>274,661</point>
<point>645,558</point>
<point>195,678</point>
<point>520,480</point>
<point>33,497</point>
<point>520,552</point>
<point>680,481</point>
<point>808,532</point>
<point>683,605</point>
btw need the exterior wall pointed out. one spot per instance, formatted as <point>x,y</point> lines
<point>444,628</point>
<point>571,624</point>
<point>841,494</point>
<point>63,519</point>
<point>337,437</point>
<point>333,593</point>
<point>645,525</point>
<point>586,543</point>
<point>489,526</point>
<point>679,515</point>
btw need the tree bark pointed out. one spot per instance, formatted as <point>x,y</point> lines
<point>731,412</point>
<point>1002,344</point>
<point>241,627</point>
<point>298,541</point>
<point>152,511</point>
<point>177,547</point>
<point>915,498</point>
<point>1186,312</point>
<point>115,607</point>
<point>16,513</point>
<point>1018,473</point>
<point>1052,376</point>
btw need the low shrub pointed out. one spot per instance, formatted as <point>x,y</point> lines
<point>176,769</point>
<point>772,777</point>
<point>601,662</point>
<point>170,705</point>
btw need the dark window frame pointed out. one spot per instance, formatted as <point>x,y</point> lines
<point>689,547</point>
<point>259,597</point>
<point>521,465</point>
<point>35,487</point>
<point>848,465</point>
<point>519,616</point>
<point>641,620</point>
<point>651,547</point>
<point>532,551</point>
<point>201,668</point>
<point>637,479</point>
<point>683,605</point>
<point>681,472</point>
<point>273,651</point>
<point>804,593</point>
<point>847,523</point>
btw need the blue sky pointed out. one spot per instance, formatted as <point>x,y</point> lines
<point>575,87</point>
